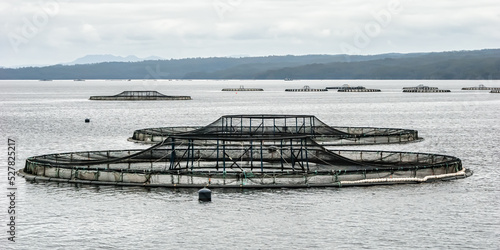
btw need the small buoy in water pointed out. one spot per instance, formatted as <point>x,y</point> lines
<point>87,120</point>
<point>204,194</point>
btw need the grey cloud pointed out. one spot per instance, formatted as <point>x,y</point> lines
<point>195,28</point>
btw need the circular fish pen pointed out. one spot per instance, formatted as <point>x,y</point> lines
<point>346,86</point>
<point>424,89</point>
<point>481,87</point>
<point>271,125</point>
<point>139,96</point>
<point>242,88</point>
<point>248,161</point>
<point>359,90</point>
<point>420,87</point>
<point>305,89</point>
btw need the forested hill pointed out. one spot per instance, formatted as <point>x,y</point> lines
<point>479,64</point>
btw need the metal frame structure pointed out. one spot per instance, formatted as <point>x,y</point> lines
<point>242,160</point>
<point>265,124</point>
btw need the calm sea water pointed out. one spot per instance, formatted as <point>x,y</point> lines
<point>48,117</point>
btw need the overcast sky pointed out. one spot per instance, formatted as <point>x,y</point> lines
<point>41,32</point>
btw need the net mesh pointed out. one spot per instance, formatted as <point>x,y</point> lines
<point>259,150</point>
<point>279,125</point>
<point>238,154</point>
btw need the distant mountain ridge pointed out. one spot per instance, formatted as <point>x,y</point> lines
<point>477,64</point>
<point>89,59</point>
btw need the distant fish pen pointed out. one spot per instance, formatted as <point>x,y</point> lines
<point>273,125</point>
<point>242,88</point>
<point>359,90</point>
<point>426,90</point>
<point>420,87</point>
<point>139,96</point>
<point>306,89</point>
<point>346,86</point>
<point>480,87</point>
<point>236,161</point>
